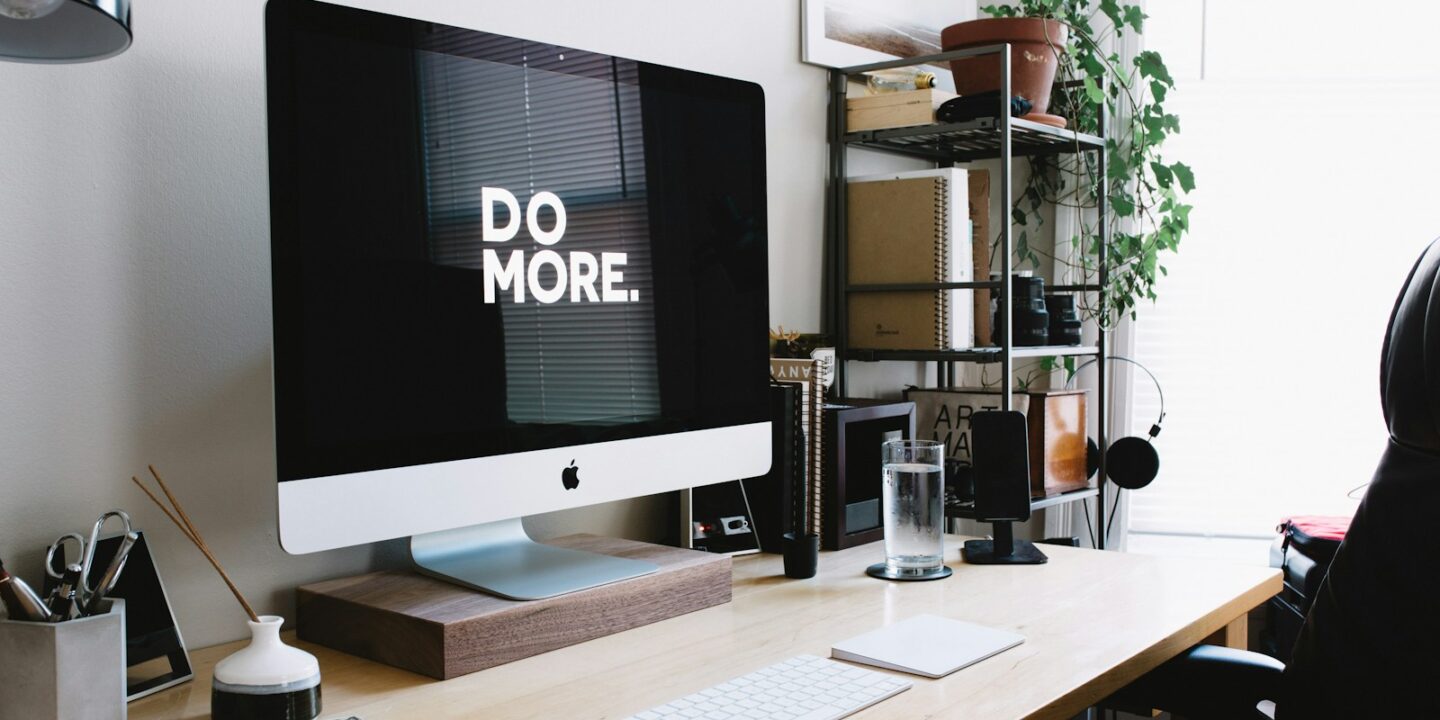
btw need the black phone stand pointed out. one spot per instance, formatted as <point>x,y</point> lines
<point>1003,550</point>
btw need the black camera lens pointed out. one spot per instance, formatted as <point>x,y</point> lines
<point>1032,320</point>
<point>1064,319</point>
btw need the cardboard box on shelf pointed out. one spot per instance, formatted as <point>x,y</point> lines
<point>897,109</point>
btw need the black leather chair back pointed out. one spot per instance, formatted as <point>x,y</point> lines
<point>1370,646</point>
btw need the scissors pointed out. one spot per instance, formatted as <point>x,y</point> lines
<point>86,548</point>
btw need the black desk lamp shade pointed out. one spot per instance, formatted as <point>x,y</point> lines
<point>75,31</point>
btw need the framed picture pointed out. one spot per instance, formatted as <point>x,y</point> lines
<point>840,33</point>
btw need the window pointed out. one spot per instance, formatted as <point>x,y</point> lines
<point>1316,191</point>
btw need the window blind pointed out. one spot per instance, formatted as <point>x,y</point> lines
<point>516,124</point>
<point>1268,330</point>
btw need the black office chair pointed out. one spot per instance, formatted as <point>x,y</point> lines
<point>1370,646</point>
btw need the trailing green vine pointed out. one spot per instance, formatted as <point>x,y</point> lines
<point>1147,214</point>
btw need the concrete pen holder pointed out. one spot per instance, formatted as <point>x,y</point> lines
<point>71,669</point>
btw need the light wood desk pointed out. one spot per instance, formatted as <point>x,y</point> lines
<point>1092,620</point>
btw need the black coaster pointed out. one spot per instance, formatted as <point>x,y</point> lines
<point>882,571</point>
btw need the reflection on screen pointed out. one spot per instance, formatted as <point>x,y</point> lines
<point>527,131</point>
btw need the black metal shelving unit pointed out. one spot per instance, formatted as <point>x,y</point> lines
<point>1004,138</point>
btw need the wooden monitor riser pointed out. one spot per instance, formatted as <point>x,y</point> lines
<point>435,628</point>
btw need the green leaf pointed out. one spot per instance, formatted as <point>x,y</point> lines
<point>1017,216</point>
<point>1157,91</point>
<point>1093,92</point>
<point>1111,8</point>
<point>1162,174</point>
<point>1122,204</point>
<point>1155,129</point>
<point>1152,66</point>
<point>1134,17</point>
<point>1184,175</point>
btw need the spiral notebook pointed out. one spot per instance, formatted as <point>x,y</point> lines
<point>910,228</point>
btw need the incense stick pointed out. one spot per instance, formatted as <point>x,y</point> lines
<point>188,529</point>
<point>183,530</point>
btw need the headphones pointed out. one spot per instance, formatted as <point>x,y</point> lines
<point>1130,462</point>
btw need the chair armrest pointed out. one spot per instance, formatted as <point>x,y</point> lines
<point>1206,681</point>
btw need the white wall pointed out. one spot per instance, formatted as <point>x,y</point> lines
<point>134,296</point>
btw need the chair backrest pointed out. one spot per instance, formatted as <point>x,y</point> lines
<point>1370,646</point>
<point>1410,361</point>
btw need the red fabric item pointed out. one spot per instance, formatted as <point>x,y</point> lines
<point>1321,527</point>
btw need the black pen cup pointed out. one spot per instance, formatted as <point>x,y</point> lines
<point>802,555</point>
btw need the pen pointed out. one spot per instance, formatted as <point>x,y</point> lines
<point>64,606</point>
<point>21,602</point>
<point>112,573</point>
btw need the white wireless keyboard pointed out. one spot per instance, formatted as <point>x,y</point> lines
<point>801,688</point>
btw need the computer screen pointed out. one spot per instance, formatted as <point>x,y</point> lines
<point>485,246</point>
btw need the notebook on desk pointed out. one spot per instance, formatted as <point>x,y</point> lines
<point>926,645</point>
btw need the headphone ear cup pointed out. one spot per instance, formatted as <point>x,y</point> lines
<point>1132,463</point>
<point>1092,458</point>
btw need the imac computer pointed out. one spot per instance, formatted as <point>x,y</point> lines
<point>508,278</point>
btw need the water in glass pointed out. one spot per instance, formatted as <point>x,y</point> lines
<point>915,519</point>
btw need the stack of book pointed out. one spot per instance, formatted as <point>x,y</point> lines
<point>915,227</point>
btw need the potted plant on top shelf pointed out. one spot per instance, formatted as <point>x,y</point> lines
<point>1053,43</point>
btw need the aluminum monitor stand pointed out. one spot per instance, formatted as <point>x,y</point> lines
<point>502,559</point>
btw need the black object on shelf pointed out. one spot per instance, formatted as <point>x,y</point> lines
<point>1001,454</point>
<point>1065,321</point>
<point>854,431</point>
<point>970,107</point>
<point>1032,320</point>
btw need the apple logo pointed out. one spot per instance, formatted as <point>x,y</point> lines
<point>570,478</point>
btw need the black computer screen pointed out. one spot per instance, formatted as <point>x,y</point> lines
<point>485,245</point>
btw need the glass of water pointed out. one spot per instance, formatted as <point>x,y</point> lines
<point>913,503</point>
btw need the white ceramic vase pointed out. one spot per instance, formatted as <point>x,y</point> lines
<point>267,680</point>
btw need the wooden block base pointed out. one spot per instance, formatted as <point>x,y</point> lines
<point>435,628</point>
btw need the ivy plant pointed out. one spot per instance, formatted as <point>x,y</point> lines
<point>1147,213</point>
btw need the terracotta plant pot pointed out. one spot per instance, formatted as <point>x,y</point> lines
<point>1033,60</point>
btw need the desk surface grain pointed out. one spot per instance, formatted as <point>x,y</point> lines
<point>1092,622</point>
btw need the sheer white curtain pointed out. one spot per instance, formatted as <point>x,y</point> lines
<point>1079,519</point>
<point>1311,137</point>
